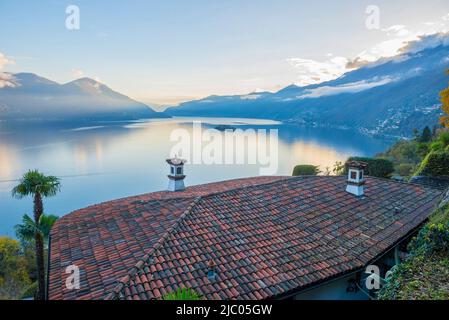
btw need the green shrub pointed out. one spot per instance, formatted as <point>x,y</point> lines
<point>381,168</point>
<point>405,169</point>
<point>182,294</point>
<point>405,151</point>
<point>30,291</point>
<point>306,170</point>
<point>433,238</point>
<point>441,215</point>
<point>425,273</point>
<point>418,278</point>
<point>436,163</point>
<point>437,146</point>
<point>422,149</point>
<point>444,138</point>
<point>426,135</point>
<point>14,277</point>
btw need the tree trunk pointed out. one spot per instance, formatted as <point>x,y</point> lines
<point>38,210</point>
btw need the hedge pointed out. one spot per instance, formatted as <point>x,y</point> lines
<point>436,163</point>
<point>381,168</point>
<point>306,170</point>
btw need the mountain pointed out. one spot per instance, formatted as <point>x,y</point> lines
<point>36,98</point>
<point>390,97</point>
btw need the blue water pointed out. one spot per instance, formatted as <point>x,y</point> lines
<point>112,160</point>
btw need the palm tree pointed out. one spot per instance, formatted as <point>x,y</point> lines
<point>35,184</point>
<point>27,230</point>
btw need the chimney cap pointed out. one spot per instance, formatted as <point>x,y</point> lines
<point>176,161</point>
<point>357,164</point>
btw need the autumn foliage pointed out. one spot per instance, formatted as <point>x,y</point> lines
<point>444,120</point>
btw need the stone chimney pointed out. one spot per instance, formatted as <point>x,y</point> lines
<point>176,176</point>
<point>356,178</point>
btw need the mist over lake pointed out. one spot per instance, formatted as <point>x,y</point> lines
<point>111,160</point>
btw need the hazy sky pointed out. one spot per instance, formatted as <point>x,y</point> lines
<point>166,51</point>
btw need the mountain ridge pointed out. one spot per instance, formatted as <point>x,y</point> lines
<point>388,97</point>
<point>33,97</point>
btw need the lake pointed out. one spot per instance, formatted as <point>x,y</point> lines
<point>116,159</point>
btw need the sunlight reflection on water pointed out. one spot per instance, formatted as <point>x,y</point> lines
<point>118,159</point>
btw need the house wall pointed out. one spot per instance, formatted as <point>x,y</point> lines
<point>335,290</point>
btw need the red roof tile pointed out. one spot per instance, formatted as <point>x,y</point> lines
<point>266,237</point>
<point>107,239</point>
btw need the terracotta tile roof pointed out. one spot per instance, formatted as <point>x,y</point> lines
<point>107,239</point>
<point>265,236</point>
<point>441,183</point>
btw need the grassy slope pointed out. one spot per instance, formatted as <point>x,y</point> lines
<point>423,276</point>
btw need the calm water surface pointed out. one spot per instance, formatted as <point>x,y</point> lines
<point>114,160</point>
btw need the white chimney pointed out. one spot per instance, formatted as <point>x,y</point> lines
<point>356,178</point>
<point>176,176</point>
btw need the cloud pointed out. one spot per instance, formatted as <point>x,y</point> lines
<point>352,87</point>
<point>426,42</point>
<point>4,60</point>
<point>313,72</point>
<point>251,97</point>
<point>6,79</point>
<point>398,30</point>
<point>385,49</point>
<point>356,63</point>
<point>78,73</point>
<point>400,40</point>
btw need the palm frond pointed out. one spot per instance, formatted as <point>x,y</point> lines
<point>34,182</point>
<point>46,222</point>
<point>28,229</point>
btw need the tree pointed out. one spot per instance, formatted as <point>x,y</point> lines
<point>444,120</point>
<point>27,230</point>
<point>426,135</point>
<point>377,167</point>
<point>306,170</point>
<point>339,168</point>
<point>434,132</point>
<point>39,186</point>
<point>416,135</point>
<point>13,274</point>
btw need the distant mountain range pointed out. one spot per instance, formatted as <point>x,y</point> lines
<point>389,97</point>
<point>36,98</point>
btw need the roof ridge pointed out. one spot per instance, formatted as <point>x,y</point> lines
<point>284,178</point>
<point>114,293</point>
<point>168,193</point>
<point>121,283</point>
<point>409,182</point>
